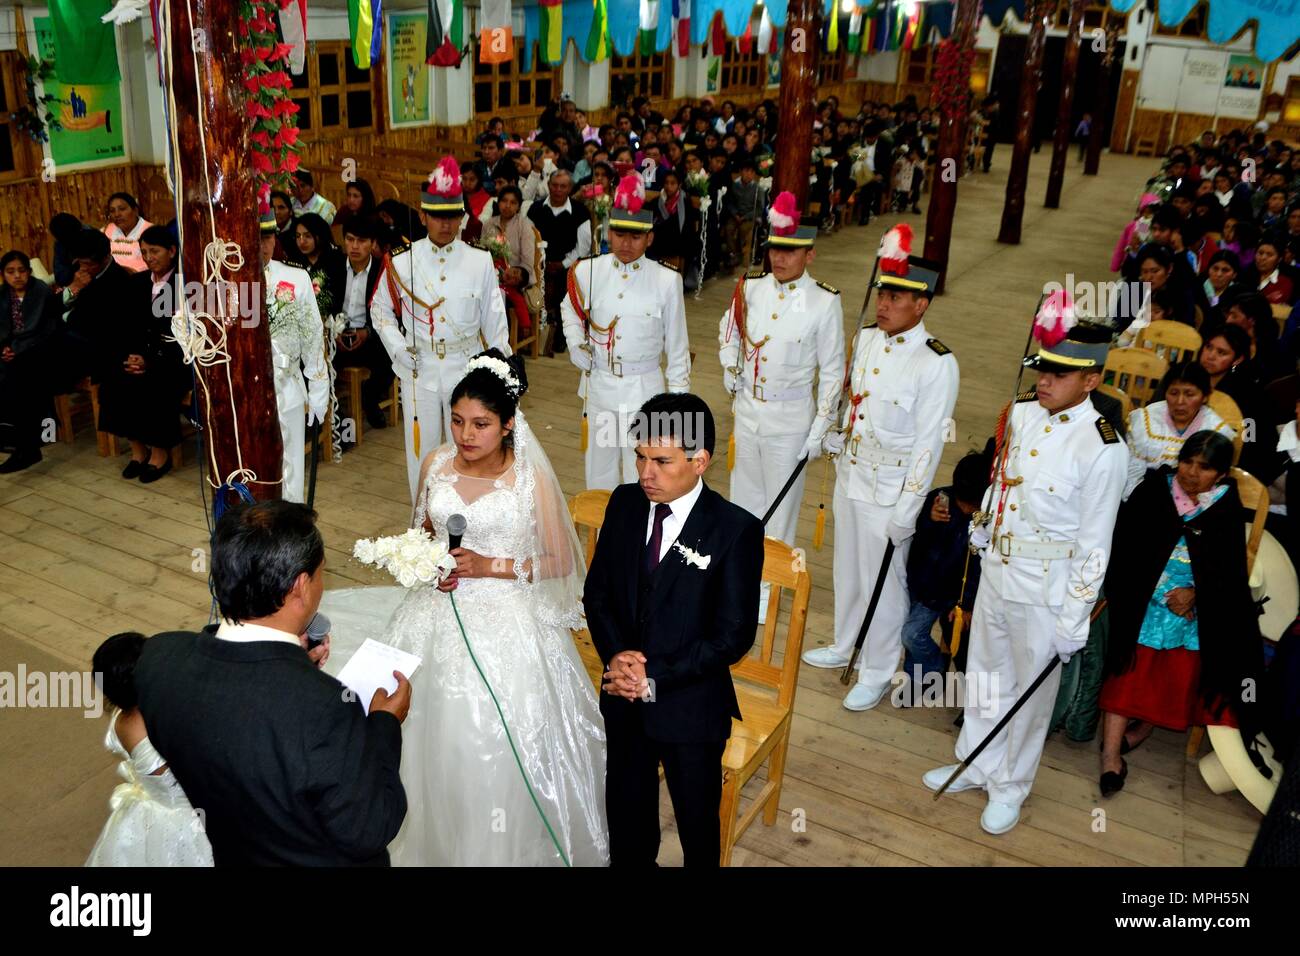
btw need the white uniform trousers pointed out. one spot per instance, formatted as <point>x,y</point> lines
<point>762,467</point>
<point>860,541</point>
<point>610,461</point>
<point>1010,644</point>
<point>293,435</point>
<point>434,409</point>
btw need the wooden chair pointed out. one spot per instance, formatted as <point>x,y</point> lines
<point>538,270</point>
<point>1126,403</point>
<point>67,404</point>
<point>1146,146</point>
<point>587,508</point>
<point>1174,341</point>
<point>1230,412</point>
<point>353,377</point>
<point>1254,496</point>
<point>1136,371</point>
<point>766,695</point>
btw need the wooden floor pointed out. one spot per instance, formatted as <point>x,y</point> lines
<point>86,554</point>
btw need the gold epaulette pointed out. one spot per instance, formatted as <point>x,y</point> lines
<point>937,347</point>
<point>398,248</point>
<point>1107,431</point>
<point>667,265</point>
<point>1029,396</point>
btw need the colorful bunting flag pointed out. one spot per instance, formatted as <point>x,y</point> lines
<point>833,32</point>
<point>718,34</point>
<point>442,42</point>
<point>496,41</point>
<point>855,31</point>
<point>293,27</point>
<point>361,29</point>
<point>649,26</point>
<point>682,16</point>
<point>377,34</point>
<point>598,37</point>
<point>550,31</point>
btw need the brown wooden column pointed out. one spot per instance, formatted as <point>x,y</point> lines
<point>950,152</point>
<point>1065,109</point>
<point>226,180</point>
<point>1097,135</point>
<point>1031,74</point>
<point>798,104</point>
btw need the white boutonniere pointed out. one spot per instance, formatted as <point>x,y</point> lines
<point>693,558</point>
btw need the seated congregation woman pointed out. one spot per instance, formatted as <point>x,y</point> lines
<point>1184,631</point>
<point>317,254</point>
<point>517,271</point>
<point>1268,274</point>
<point>677,226</point>
<point>124,229</point>
<point>1220,277</point>
<point>30,321</point>
<point>1252,312</point>
<point>145,376</point>
<point>1157,431</point>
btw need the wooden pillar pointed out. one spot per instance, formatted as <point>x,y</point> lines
<point>1031,74</point>
<point>950,152</point>
<point>219,195</point>
<point>1097,135</point>
<point>1065,108</point>
<point>798,104</point>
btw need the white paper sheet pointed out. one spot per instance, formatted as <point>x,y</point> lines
<point>371,668</point>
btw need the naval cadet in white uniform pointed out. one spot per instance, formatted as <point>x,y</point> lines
<point>782,353</point>
<point>1044,537</point>
<point>622,313</point>
<point>302,383</point>
<point>437,305</point>
<point>902,389</point>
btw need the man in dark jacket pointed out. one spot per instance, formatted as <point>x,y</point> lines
<point>29,325</point>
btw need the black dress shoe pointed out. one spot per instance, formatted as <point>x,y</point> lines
<point>1112,782</point>
<point>375,418</point>
<point>151,473</point>
<point>20,460</point>
<point>133,469</point>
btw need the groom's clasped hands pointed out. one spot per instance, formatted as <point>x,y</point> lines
<point>626,676</point>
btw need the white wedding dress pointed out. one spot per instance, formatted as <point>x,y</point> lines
<point>468,802</point>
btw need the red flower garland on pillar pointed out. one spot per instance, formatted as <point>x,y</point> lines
<point>952,66</point>
<point>273,142</point>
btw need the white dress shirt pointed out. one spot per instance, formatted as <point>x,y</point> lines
<point>243,633</point>
<point>673,524</point>
<point>582,248</point>
<point>354,299</point>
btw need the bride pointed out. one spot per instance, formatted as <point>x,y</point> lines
<point>503,752</point>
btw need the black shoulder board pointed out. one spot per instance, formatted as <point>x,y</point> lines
<point>829,288</point>
<point>756,275</point>
<point>937,347</point>
<point>1107,431</point>
<point>670,266</point>
<point>398,248</point>
<point>1029,396</point>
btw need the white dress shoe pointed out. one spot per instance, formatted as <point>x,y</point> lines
<point>934,779</point>
<point>863,697</point>
<point>999,817</point>
<point>824,657</point>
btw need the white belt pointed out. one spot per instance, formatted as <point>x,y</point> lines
<point>466,346</point>
<point>620,369</point>
<point>879,456</point>
<point>762,394</point>
<point>1009,546</point>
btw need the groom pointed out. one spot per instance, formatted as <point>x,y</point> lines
<point>672,603</point>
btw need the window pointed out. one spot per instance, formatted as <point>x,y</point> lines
<point>742,71</point>
<point>333,96</point>
<point>9,131</point>
<point>506,89</point>
<point>642,75</point>
<point>920,65</point>
<point>1095,16</point>
<point>830,66</point>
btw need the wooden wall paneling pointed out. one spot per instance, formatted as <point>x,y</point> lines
<point>1128,86</point>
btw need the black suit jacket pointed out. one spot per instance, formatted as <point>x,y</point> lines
<point>284,768</point>
<point>691,624</point>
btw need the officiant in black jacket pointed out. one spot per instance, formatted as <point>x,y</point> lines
<point>672,602</point>
<point>283,763</point>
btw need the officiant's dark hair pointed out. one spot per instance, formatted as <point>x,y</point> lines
<point>484,385</point>
<point>258,551</point>
<point>114,668</point>
<point>684,417</point>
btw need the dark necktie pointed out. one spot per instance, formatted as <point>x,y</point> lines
<point>656,541</point>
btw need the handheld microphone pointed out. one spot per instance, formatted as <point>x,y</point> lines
<point>318,629</point>
<point>455,530</point>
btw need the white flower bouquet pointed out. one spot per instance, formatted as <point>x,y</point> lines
<point>413,558</point>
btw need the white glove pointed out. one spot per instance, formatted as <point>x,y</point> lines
<point>833,442</point>
<point>404,361</point>
<point>812,448</point>
<point>729,381</point>
<point>314,416</point>
<point>1066,647</point>
<point>980,537</point>
<point>898,533</point>
<point>581,358</point>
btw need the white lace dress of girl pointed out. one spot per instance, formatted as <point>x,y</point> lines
<point>151,822</point>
